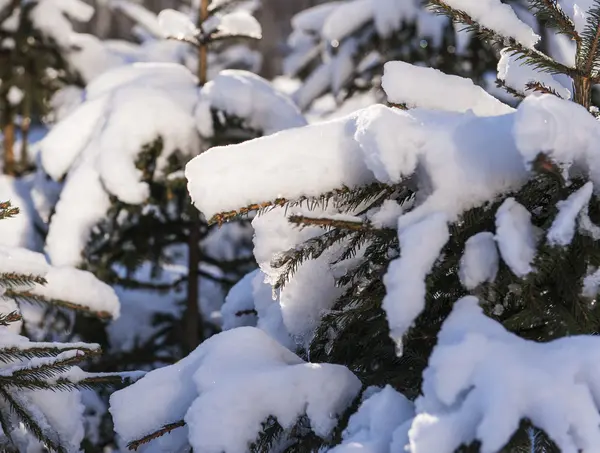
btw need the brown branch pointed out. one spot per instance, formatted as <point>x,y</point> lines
<point>329,223</point>
<point>13,316</point>
<point>539,87</point>
<point>563,20</point>
<point>589,62</point>
<point>9,147</point>
<point>17,279</point>
<point>241,313</point>
<point>401,106</point>
<point>192,326</point>
<point>226,216</point>
<point>27,296</point>
<point>505,41</point>
<point>25,128</point>
<point>134,445</point>
<point>502,84</point>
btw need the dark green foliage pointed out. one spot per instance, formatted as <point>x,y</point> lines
<point>551,15</point>
<point>156,233</point>
<point>406,44</point>
<point>34,366</point>
<point>546,304</point>
<point>589,51</point>
<point>35,64</point>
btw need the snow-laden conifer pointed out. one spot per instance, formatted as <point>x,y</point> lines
<point>447,252</point>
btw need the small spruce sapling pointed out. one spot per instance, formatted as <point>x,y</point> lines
<point>141,229</point>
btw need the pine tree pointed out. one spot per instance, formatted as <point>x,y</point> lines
<point>341,47</point>
<point>40,382</point>
<point>446,255</point>
<point>231,53</point>
<point>36,60</point>
<point>123,211</point>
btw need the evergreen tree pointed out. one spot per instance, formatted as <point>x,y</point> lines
<point>446,255</point>
<point>341,47</point>
<point>38,57</point>
<point>39,389</point>
<point>123,211</point>
<point>231,53</point>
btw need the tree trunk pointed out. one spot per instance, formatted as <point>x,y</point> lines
<point>9,145</point>
<point>25,126</point>
<point>583,91</point>
<point>194,324</point>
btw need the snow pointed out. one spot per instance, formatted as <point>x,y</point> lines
<point>479,263</point>
<point>464,160</point>
<point>50,17</point>
<point>429,88</point>
<point>386,216</point>
<point>270,318</point>
<point>64,101</point>
<point>517,74</point>
<point>174,78</point>
<point>312,19</point>
<point>342,19</point>
<point>516,237</point>
<point>79,288</point>
<point>343,65</point>
<point>57,413</point>
<point>389,14</point>
<point>244,376</point>
<point>14,95</point>
<point>82,204</point>
<point>499,17</point>
<point>562,231</point>
<point>253,297</point>
<point>405,278</point>
<point>312,290</point>
<point>483,380</point>
<point>141,106</point>
<point>240,23</point>
<point>60,147</point>
<point>345,19</point>
<point>577,10</point>
<point>591,285</point>
<point>562,130</point>
<point>18,231</point>
<point>250,98</point>
<point>315,85</point>
<point>239,304</point>
<point>63,411</point>
<point>140,15</point>
<point>124,106</point>
<point>288,158</point>
<point>371,428</point>
<point>175,24</point>
<point>90,56</point>
<point>22,261</point>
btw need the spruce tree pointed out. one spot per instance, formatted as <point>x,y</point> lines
<point>38,57</point>
<point>443,250</point>
<point>39,390</point>
<point>340,47</point>
<point>141,233</point>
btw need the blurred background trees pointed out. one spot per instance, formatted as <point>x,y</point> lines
<point>274,16</point>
